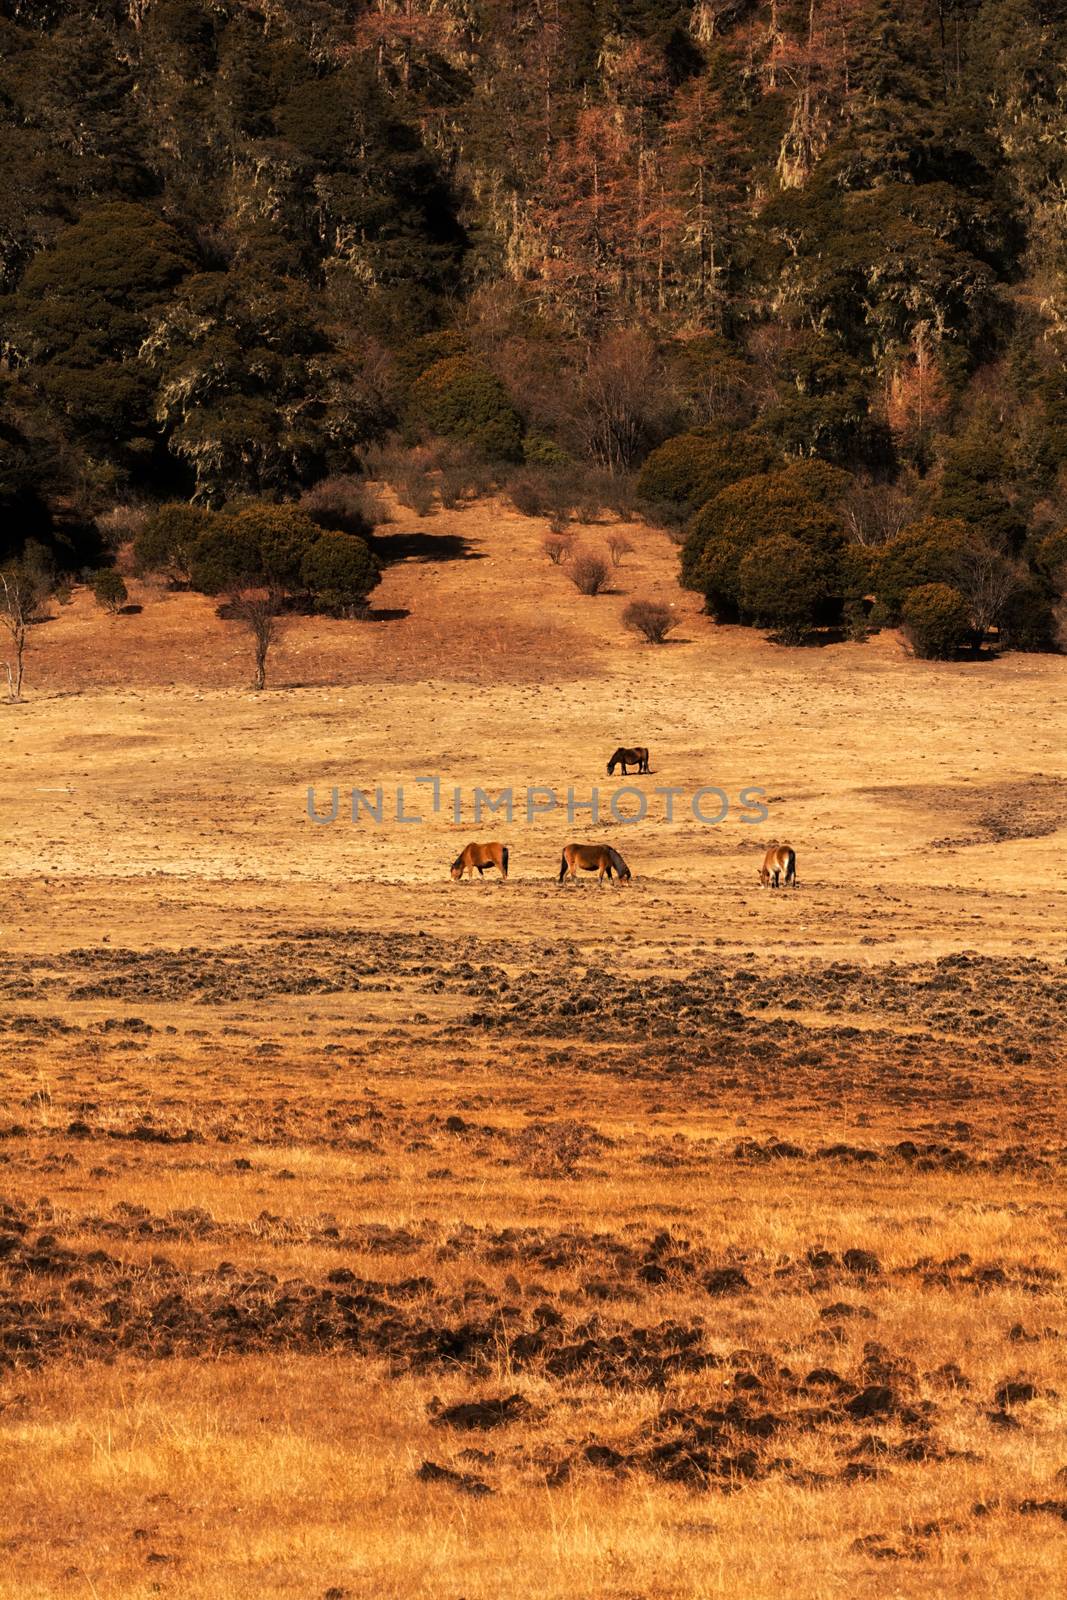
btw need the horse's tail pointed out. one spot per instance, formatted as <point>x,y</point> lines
<point>504,856</point>
<point>562,867</point>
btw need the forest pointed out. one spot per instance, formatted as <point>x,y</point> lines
<point>786,276</point>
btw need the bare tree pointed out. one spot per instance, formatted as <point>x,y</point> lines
<point>259,613</point>
<point>877,512</point>
<point>987,580</point>
<point>623,404</point>
<point>21,596</point>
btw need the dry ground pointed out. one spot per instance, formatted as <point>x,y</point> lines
<point>366,1234</point>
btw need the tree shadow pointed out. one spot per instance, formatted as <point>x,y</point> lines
<point>385,614</point>
<point>811,639</point>
<point>130,611</point>
<point>416,545</point>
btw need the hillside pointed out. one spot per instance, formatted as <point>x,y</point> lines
<point>246,247</point>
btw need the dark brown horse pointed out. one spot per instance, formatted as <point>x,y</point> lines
<point>480,856</point>
<point>780,858</point>
<point>637,757</point>
<point>598,858</point>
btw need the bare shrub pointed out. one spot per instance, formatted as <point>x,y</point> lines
<point>596,492</point>
<point>121,524</point>
<point>452,487</point>
<point>987,580</point>
<point>527,493</point>
<point>345,504</point>
<point>557,547</point>
<point>877,512</point>
<point>463,477</point>
<point>589,573</point>
<point>650,618</point>
<point>618,546</point>
<point>414,489</point>
<point>407,472</point>
<point>546,492</point>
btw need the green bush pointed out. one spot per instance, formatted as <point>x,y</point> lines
<point>936,621</point>
<point>417,356</point>
<point>1051,553</point>
<point>109,590</point>
<point>538,450</point>
<point>781,584</point>
<point>463,400</point>
<point>166,542</point>
<point>340,572</point>
<point>225,557</point>
<point>283,535</point>
<point>687,471</point>
<point>927,552</point>
<point>1028,621</point>
<point>800,502</point>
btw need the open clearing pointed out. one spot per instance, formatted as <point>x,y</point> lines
<point>365,1234</point>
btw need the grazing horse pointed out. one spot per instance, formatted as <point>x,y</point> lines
<point>780,858</point>
<point>480,856</point>
<point>637,757</point>
<point>598,858</point>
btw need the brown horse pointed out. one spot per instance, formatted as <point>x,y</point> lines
<point>598,858</point>
<point>480,856</point>
<point>637,757</point>
<point>780,858</point>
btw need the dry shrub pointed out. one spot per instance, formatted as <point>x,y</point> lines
<point>557,547</point>
<point>121,524</point>
<point>618,546</point>
<point>552,492</point>
<point>651,619</point>
<point>589,573</point>
<point>462,475</point>
<point>407,472</point>
<point>345,504</point>
<point>414,489</point>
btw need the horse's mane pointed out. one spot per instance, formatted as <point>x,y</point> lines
<point>616,860</point>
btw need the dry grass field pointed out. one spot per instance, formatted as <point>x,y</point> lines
<point>366,1234</point>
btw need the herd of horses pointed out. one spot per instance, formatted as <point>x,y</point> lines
<point>779,864</point>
